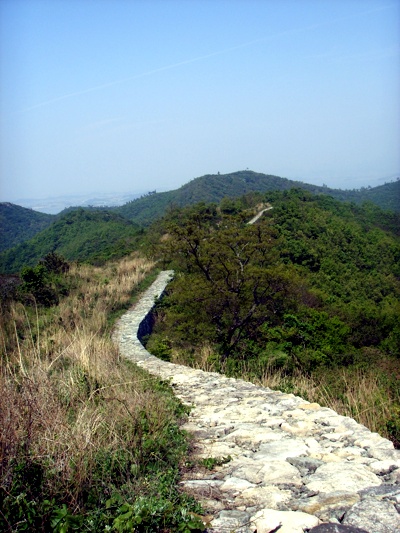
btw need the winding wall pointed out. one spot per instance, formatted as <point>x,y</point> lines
<point>294,466</point>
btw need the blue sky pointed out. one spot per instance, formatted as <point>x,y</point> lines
<point>134,95</point>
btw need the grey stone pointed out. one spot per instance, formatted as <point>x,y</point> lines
<point>336,528</point>
<point>374,516</point>
<point>322,504</point>
<point>306,463</point>
<point>381,492</point>
<point>231,520</point>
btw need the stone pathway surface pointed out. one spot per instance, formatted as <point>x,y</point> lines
<point>291,466</point>
<point>259,215</point>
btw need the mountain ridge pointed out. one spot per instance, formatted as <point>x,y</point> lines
<point>214,187</point>
<point>18,224</point>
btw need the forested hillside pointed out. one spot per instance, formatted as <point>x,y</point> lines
<point>209,188</point>
<point>312,287</point>
<point>215,187</point>
<point>148,208</point>
<point>386,196</point>
<point>18,224</point>
<point>79,235</point>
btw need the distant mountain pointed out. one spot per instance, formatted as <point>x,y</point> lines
<point>80,235</point>
<point>214,187</point>
<point>385,196</point>
<point>18,224</point>
<point>208,188</point>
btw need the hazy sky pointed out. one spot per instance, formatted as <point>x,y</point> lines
<point>130,95</point>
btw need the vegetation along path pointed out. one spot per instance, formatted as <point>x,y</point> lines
<point>272,461</point>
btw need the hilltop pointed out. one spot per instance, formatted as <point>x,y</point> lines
<point>215,187</point>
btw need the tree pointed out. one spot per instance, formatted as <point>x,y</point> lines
<point>231,271</point>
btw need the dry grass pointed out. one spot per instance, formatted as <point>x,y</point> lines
<point>202,359</point>
<point>64,395</point>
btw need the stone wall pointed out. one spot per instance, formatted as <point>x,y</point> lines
<point>287,465</point>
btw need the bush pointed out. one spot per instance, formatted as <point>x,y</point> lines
<point>36,284</point>
<point>45,282</point>
<point>55,263</point>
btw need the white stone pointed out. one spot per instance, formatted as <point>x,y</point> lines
<point>261,430</point>
<point>216,449</point>
<point>332,477</point>
<point>298,427</point>
<point>235,484</point>
<point>269,520</point>
<point>372,440</point>
<point>201,483</point>
<point>336,436</point>
<point>248,469</point>
<point>327,457</point>
<point>264,496</point>
<point>282,449</point>
<point>350,452</point>
<point>273,422</point>
<point>313,444</point>
<point>280,472</point>
<point>382,455</point>
<point>384,467</point>
<point>252,435</point>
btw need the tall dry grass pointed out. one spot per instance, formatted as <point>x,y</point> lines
<point>65,396</point>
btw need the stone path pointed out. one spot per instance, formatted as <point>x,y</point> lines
<point>259,215</point>
<point>288,465</point>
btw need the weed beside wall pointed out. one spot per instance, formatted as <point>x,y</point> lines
<point>88,442</point>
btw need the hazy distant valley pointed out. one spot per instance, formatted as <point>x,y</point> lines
<point>55,204</point>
